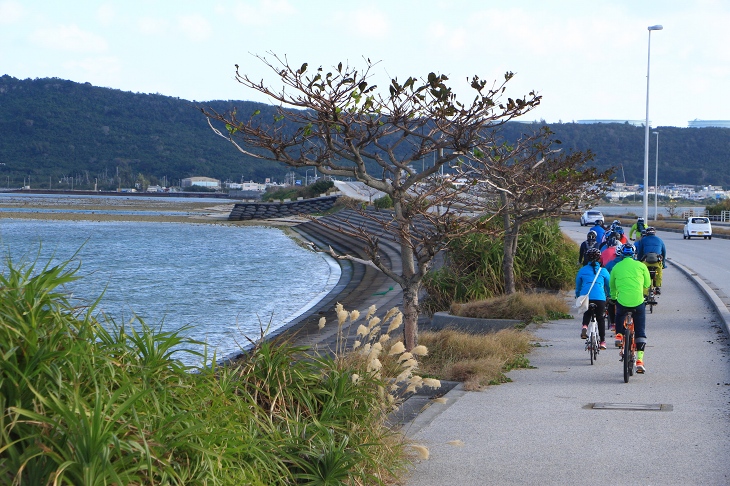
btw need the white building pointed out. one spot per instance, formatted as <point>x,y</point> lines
<point>201,182</point>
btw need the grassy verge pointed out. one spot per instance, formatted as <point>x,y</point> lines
<point>477,360</point>
<point>86,403</point>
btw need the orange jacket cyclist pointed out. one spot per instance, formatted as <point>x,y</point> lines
<point>628,281</point>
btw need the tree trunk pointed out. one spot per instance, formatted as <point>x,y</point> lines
<point>511,232</point>
<point>410,316</point>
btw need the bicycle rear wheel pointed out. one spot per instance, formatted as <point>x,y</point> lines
<point>595,347</point>
<point>628,360</point>
<point>591,346</point>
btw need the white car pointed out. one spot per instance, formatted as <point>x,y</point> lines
<point>589,218</point>
<point>697,227</point>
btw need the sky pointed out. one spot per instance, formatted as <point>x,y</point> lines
<point>588,59</point>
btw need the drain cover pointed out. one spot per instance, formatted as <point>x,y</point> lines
<point>657,407</point>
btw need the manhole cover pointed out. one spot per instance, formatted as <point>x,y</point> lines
<point>657,407</point>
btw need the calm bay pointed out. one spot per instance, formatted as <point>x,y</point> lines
<point>225,282</point>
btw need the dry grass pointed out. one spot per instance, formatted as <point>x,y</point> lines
<point>527,307</point>
<point>476,360</point>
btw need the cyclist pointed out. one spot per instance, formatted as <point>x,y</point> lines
<point>596,292</point>
<point>620,235</point>
<point>652,251</point>
<point>609,252</point>
<point>590,242</point>
<point>629,281</point>
<point>637,230</point>
<point>610,304</point>
<point>599,229</point>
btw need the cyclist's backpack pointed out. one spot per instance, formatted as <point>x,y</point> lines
<point>652,258</point>
<point>640,227</point>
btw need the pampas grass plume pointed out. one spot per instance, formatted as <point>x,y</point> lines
<point>371,311</point>
<point>456,442</point>
<point>354,315</point>
<point>383,338</point>
<point>422,451</point>
<point>390,313</point>
<point>362,330</point>
<point>395,323</point>
<point>372,322</point>
<point>397,348</point>
<point>374,365</point>
<point>420,350</point>
<point>431,383</point>
<point>322,321</point>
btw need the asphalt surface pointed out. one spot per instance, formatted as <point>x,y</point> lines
<point>669,426</point>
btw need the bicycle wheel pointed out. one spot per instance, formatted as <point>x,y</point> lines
<point>591,344</point>
<point>628,362</point>
<point>595,346</point>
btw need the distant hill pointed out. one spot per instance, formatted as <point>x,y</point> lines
<point>53,129</point>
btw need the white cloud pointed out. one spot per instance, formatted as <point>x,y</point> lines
<point>101,70</point>
<point>152,26</point>
<point>262,13</point>
<point>106,13</point>
<point>194,27</point>
<point>69,38</point>
<point>10,12</point>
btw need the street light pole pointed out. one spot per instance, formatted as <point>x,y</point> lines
<point>656,177</point>
<point>646,128</point>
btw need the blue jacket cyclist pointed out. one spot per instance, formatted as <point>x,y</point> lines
<point>583,280</point>
<point>651,243</point>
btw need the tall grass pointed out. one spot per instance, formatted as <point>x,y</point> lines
<point>476,360</point>
<point>545,258</point>
<point>86,401</point>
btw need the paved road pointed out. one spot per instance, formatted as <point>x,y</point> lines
<point>542,427</point>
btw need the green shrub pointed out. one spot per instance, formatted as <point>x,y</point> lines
<point>719,207</point>
<point>384,202</point>
<point>86,403</point>
<point>545,258</point>
<point>307,192</point>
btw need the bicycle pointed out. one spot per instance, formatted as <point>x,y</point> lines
<point>651,296</point>
<point>629,343</point>
<point>592,342</point>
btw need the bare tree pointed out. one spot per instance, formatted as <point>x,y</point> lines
<point>336,121</point>
<point>531,179</point>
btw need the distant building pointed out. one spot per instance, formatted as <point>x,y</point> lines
<point>709,123</point>
<point>637,123</point>
<point>201,182</point>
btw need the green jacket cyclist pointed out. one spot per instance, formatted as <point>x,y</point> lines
<point>629,280</point>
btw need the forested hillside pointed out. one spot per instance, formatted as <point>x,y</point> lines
<point>55,130</point>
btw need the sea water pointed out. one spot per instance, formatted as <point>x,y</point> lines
<point>226,282</point>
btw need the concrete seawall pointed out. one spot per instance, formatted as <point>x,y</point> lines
<point>258,210</point>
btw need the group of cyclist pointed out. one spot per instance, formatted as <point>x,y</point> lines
<point>615,275</point>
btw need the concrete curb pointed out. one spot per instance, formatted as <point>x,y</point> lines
<point>710,292</point>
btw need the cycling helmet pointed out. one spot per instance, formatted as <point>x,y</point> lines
<point>616,222</point>
<point>619,230</point>
<point>650,231</point>
<point>593,255</point>
<point>628,250</point>
<point>618,249</point>
<point>592,235</point>
<point>640,220</point>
